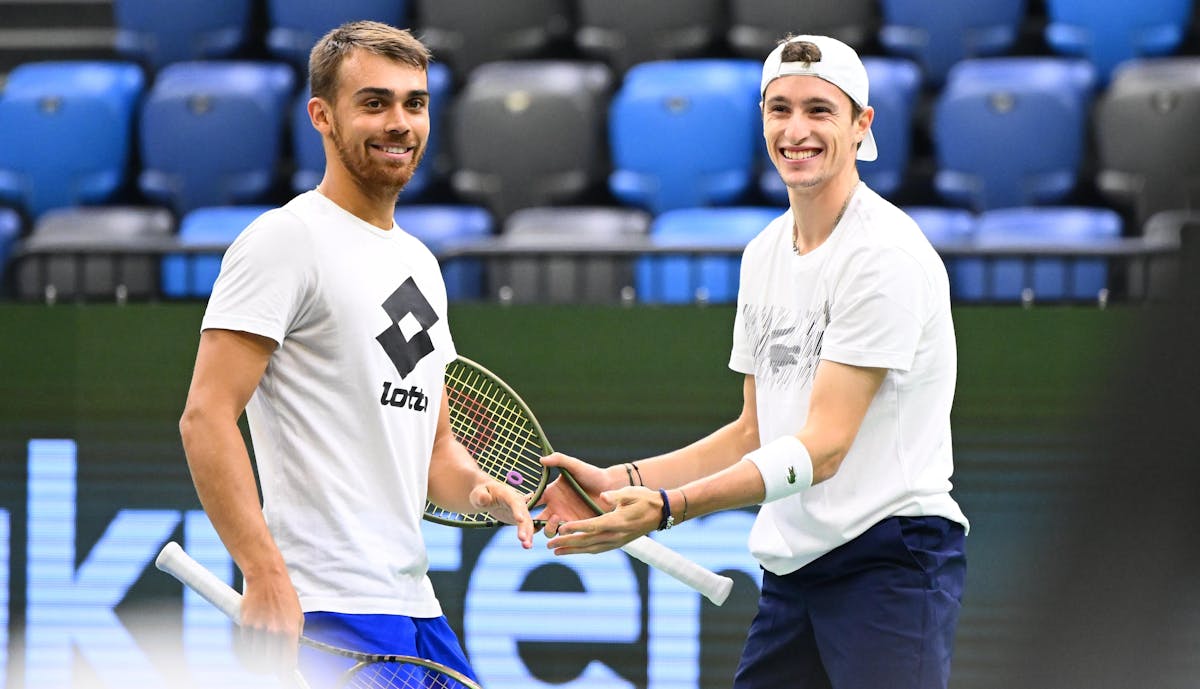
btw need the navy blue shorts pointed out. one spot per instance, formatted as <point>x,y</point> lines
<point>428,638</point>
<point>879,611</point>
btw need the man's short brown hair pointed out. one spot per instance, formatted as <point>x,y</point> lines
<point>374,37</point>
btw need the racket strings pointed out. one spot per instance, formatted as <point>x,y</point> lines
<point>400,675</point>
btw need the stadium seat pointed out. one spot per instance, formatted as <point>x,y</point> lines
<point>72,262</point>
<point>309,154</point>
<point>1147,149</point>
<point>192,276</point>
<point>443,227</point>
<point>895,83</point>
<point>10,229</point>
<point>295,26</point>
<point>685,133</point>
<point>1112,32</point>
<point>953,227</point>
<point>158,33</point>
<point>467,33</point>
<point>757,26</point>
<point>66,133</point>
<point>212,133</point>
<point>1049,278</point>
<point>1011,131</point>
<point>677,279</point>
<point>939,33</point>
<point>529,133</point>
<point>623,33</point>
<point>557,276</point>
<point>1158,276</point>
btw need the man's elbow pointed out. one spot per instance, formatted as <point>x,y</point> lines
<point>827,460</point>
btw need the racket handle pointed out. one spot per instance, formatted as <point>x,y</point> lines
<point>715,587</point>
<point>174,561</point>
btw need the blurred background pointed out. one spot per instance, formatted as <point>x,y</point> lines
<point>595,168</point>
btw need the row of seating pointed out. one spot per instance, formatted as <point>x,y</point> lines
<point>466,33</point>
<point>1007,132</point>
<point>572,254</point>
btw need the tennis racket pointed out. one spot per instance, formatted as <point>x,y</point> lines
<point>504,437</point>
<point>370,671</point>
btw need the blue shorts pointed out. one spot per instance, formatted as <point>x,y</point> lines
<point>879,611</point>
<point>428,638</point>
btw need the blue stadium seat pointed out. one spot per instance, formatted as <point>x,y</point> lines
<point>309,154</point>
<point>295,26</point>
<point>895,83</point>
<point>1048,278</point>
<point>1109,33</point>
<point>530,133</point>
<point>10,229</point>
<point>684,133</point>
<point>710,279</point>
<point>939,33</point>
<point>953,227</point>
<point>192,276</point>
<point>158,33</point>
<point>1011,131</point>
<point>212,133</point>
<point>66,133</point>
<point>441,227</point>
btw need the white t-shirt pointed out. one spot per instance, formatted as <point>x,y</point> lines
<point>344,417</point>
<point>875,294</point>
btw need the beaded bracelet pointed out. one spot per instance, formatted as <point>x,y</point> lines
<point>667,520</point>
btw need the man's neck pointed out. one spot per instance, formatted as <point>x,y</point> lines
<point>376,207</point>
<point>816,212</point>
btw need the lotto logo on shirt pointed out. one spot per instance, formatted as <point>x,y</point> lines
<point>413,398</point>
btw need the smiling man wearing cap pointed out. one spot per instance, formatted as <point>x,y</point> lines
<point>843,331</point>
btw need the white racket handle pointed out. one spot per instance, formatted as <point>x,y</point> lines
<point>714,586</point>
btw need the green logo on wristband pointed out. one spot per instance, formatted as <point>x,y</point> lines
<point>791,477</point>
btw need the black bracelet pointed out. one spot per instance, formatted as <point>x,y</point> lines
<point>667,520</point>
<point>639,473</point>
<point>683,517</point>
<point>629,473</point>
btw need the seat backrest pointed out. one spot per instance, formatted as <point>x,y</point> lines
<point>1011,131</point>
<point>212,133</point>
<point>442,227</point>
<point>295,27</point>
<point>564,278</point>
<point>944,227</point>
<point>65,269</point>
<point>308,153</point>
<point>10,229</point>
<point>193,275</point>
<point>66,132</point>
<point>695,278</point>
<point>158,33</point>
<point>467,33</point>
<point>623,33</point>
<point>1045,277</point>
<point>661,133</point>
<point>939,33</point>
<point>1109,33</point>
<point>1147,148</point>
<point>757,26</point>
<point>530,133</point>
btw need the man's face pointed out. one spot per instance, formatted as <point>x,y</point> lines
<point>379,122</point>
<point>810,130</point>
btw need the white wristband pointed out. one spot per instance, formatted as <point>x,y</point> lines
<point>785,465</point>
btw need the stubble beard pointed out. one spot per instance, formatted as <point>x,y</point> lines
<point>372,177</point>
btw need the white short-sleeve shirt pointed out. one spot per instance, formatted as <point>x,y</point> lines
<point>343,419</point>
<point>874,294</point>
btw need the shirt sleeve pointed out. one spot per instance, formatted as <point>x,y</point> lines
<point>880,308</point>
<point>266,276</point>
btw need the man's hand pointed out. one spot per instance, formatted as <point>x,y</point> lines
<point>636,511</point>
<point>563,504</point>
<point>271,623</point>
<point>504,504</point>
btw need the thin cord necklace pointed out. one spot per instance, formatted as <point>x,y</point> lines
<point>838,219</point>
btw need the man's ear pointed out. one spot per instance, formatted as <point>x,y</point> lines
<point>319,114</point>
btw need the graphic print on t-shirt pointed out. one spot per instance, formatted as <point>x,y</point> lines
<point>407,340</point>
<point>786,344</point>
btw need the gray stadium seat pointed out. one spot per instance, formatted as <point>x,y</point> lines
<point>467,33</point>
<point>530,133</point>
<point>757,26</point>
<point>563,278</point>
<point>69,265</point>
<point>626,32</point>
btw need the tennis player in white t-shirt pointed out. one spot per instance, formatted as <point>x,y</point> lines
<point>327,325</point>
<point>843,331</point>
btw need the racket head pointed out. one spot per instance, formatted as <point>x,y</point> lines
<point>381,671</point>
<point>499,430</point>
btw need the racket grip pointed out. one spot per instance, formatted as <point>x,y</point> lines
<point>174,561</point>
<point>715,587</point>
